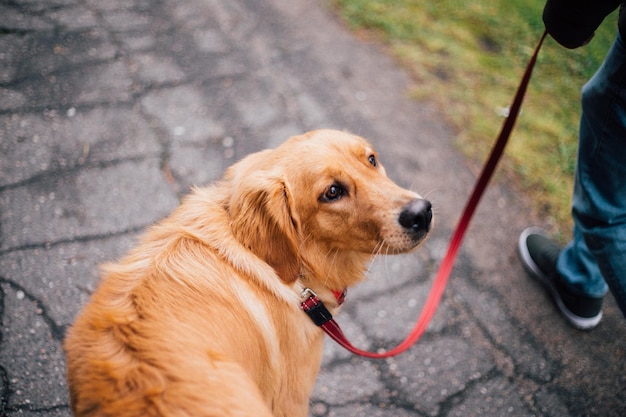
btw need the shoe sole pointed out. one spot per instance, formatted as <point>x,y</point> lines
<point>582,323</point>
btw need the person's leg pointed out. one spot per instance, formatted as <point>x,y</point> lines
<point>598,251</point>
<point>579,269</point>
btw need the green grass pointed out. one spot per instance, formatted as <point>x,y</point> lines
<point>468,57</point>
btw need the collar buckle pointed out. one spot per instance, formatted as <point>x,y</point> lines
<point>314,307</point>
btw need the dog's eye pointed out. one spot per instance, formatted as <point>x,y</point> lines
<point>372,160</point>
<point>334,192</point>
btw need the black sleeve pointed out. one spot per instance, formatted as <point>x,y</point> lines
<point>572,22</point>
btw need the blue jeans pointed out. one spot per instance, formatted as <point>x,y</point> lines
<point>597,255</point>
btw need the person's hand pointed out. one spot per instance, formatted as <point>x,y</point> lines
<point>572,23</point>
<point>589,39</point>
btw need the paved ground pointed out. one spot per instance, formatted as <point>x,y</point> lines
<point>110,110</point>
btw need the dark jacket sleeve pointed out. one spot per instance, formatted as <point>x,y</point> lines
<point>573,22</point>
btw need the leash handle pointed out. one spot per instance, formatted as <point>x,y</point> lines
<point>432,302</point>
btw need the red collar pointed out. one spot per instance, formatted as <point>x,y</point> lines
<point>340,296</point>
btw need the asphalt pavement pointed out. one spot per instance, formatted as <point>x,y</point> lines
<point>111,110</point>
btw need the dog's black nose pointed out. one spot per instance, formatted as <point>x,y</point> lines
<point>416,216</point>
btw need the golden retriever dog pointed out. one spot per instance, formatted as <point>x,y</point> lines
<point>203,317</point>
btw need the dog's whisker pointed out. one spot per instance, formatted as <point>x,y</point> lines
<point>377,249</point>
<point>305,239</point>
<point>335,253</point>
<point>375,253</point>
<point>412,186</point>
<point>386,258</point>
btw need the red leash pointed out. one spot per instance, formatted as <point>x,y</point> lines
<point>314,307</point>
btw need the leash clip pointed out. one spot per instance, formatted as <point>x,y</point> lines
<point>314,307</point>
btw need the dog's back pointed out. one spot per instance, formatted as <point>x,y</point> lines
<point>171,325</point>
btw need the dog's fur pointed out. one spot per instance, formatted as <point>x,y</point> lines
<point>203,317</point>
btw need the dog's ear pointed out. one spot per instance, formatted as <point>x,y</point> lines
<point>262,220</point>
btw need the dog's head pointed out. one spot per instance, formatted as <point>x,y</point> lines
<point>322,198</point>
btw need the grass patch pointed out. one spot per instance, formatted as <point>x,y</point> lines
<point>469,57</point>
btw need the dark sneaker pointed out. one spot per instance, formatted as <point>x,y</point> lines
<point>539,256</point>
